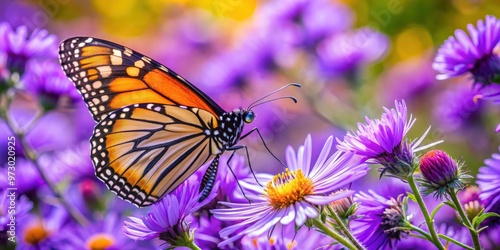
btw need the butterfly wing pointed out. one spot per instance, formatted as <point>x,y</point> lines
<point>110,76</point>
<point>153,125</point>
<point>143,151</point>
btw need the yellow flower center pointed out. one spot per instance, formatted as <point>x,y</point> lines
<point>100,242</point>
<point>35,234</point>
<point>288,188</point>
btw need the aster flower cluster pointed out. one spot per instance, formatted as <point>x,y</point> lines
<point>323,198</point>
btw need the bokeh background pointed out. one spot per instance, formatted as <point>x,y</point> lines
<point>351,58</point>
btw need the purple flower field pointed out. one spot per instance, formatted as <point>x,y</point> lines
<point>292,124</point>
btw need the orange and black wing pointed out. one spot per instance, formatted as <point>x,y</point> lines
<point>143,151</point>
<point>110,76</point>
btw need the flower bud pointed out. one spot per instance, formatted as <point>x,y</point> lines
<point>441,173</point>
<point>438,168</point>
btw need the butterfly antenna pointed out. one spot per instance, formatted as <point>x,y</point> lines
<point>255,103</point>
<point>274,99</point>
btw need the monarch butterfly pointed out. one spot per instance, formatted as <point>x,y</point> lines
<point>154,128</point>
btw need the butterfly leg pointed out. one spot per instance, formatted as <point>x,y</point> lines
<point>263,142</point>
<point>237,147</point>
<point>236,178</point>
<point>208,181</point>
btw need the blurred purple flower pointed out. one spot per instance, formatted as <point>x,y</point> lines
<point>226,70</point>
<point>21,47</point>
<point>74,162</point>
<point>291,196</point>
<point>101,234</point>
<point>349,51</point>
<point>47,81</point>
<point>458,109</point>
<point>10,205</point>
<point>41,232</point>
<point>166,220</point>
<point>28,178</point>
<point>382,141</point>
<point>418,75</point>
<point>379,219</point>
<point>303,23</point>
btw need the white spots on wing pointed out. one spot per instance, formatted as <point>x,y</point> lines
<point>163,68</point>
<point>139,63</point>
<point>97,84</point>
<point>127,51</point>
<point>146,59</point>
<point>116,60</point>
<point>105,71</point>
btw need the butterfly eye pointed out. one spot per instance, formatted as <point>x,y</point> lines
<point>249,116</point>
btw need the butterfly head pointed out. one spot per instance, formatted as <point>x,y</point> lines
<point>248,116</point>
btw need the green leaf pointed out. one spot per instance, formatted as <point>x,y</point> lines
<point>411,196</point>
<point>481,229</point>
<point>481,217</point>
<point>436,209</point>
<point>450,204</point>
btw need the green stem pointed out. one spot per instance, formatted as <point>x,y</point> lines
<point>191,245</point>
<point>455,242</point>
<point>423,208</point>
<point>334,235</point>
<point>465,219</point>
<point>344,229</point>
<point>417,229</point>
<point>32,156</point>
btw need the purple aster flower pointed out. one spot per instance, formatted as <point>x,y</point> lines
<point>488,180</point>
<point>379,218</point>
<point>10,205</point>
<point>291,196</point>
<point>47,81</point>
<point>347,52</point>
<point>287,238</point>
<point>101,234</point>
<point>21,47</point>
<point>166,220</point>
<point>441,174</point>
<point>382,141</point>
<point>474,53</point>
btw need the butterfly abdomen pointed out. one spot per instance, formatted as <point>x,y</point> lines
<point>208,181</point>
